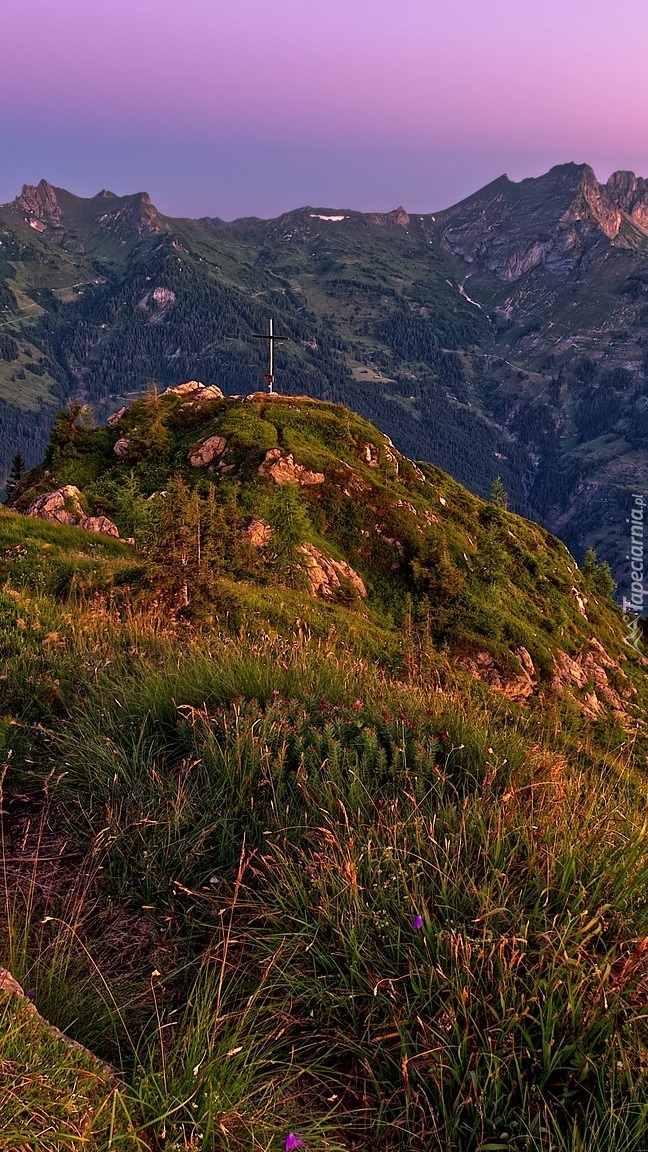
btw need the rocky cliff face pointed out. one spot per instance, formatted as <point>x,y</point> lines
<point>40,205</point>
<point>134,214</point>
<point>630,194</point>
<point>552,221</point>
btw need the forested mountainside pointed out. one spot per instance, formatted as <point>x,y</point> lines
<point>323,800</point>
<point>504,336</point>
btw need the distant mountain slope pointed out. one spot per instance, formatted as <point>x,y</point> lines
<point>505,335</point>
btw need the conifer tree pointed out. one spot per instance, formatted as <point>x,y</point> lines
<point>175,539</point>
<point>286,514</point>
<point>498,493</point>
<point>214,540</point>
<point>149,439</point>
<point>70,430</point>
<point>599,574</point>
<point>15,475</point>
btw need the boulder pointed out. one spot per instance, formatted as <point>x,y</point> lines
<point>62,506</point>
<point>282,469</point>
<point>121,447</point>
<point>259,533</point>
<point>330,579</point>
<point>100,524</point>
<point>202,454</point>
<point>195,390</point>
<point>114,420</point>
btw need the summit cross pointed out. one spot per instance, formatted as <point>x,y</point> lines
<point>272,340</point>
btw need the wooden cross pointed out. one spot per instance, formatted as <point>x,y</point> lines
<point>272,340</point>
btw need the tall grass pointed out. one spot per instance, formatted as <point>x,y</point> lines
<point>292,821</point>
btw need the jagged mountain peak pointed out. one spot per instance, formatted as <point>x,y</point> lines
<point>550,222</point>
<point>44,207</point>
<point>40,203</point>
<point>630,194</point>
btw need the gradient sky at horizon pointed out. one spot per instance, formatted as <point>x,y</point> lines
<point>230,109</point>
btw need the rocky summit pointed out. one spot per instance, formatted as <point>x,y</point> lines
<point>308,494</point>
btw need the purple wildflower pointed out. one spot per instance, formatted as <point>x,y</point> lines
<point>293,1141</point>
<point>418,923</point>
<point>31,994</point>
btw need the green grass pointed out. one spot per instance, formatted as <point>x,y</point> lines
<point>221,822</point>
<point>54,1097</point>
<point>288,812</point>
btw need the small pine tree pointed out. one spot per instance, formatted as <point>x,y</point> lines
<point>498,493</point>
<point>69,434</point>
<point>174,543</point>
<point>599,574</point>
<point>15,475</point>
<point>285,511</point>
<point>491,560</point>
<point>134,511</point>
<point>149,440</point>
<point>214,541</point>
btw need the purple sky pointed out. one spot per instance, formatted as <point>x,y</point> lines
<point>237,107</point>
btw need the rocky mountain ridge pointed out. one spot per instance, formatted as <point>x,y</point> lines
<point>43,206</point>
<point>552,221</point>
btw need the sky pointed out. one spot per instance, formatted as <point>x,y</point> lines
<point>249,107</point>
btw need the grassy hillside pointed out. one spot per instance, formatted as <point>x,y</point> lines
<point>290,865</point>
<point>467,572</point>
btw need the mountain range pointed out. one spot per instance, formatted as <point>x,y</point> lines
<point>503,336</point>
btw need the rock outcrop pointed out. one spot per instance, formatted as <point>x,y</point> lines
<point>115,419</point>
<point>193,391</point>
<point>40,205</point>
<point>330,579</point>
<point>587,672</point>
<point>516,686</point>
<point>630,194</point>
<point>551,221</point>
<point>589,668</point>
<point>259,533</point>
<point>63,506</point>
<point>282,469</point>
<point>201,455</point>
